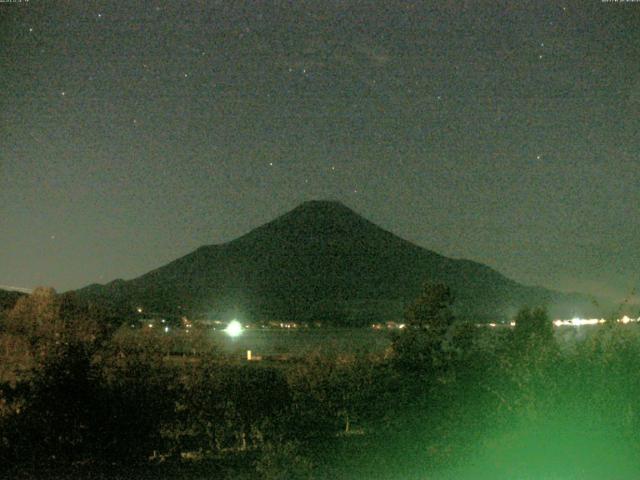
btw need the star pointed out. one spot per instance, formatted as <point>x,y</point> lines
<point>538,157</point>
<point>99,15</point>
<point>63,93</point>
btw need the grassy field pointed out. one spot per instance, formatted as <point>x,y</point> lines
<point>298,342</point>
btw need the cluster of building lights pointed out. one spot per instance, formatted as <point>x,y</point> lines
<point>574,322</point>
<point>577,322</point>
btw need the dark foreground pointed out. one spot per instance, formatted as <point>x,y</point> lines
<point>79,401</point>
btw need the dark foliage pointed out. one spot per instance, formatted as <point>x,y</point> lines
<point>533,326</point>
<point>8,299</point>
<point>423,345</point>
<point>448,398</point>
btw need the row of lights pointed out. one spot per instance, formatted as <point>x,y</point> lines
<point>577,322</point>
<point>234,328</point>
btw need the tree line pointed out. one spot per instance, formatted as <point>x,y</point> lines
<point>80,395</point>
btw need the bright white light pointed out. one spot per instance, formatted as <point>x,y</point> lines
<point>577,322</point>
<point>166,329</point>
<point>234,328</point>
<point>589,321</point>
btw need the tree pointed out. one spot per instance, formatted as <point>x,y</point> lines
<point>432,310</point>
<point>35,317</point>
<point>422,345</point>
<point>533,325</point>
<point>46,319</point>
<point>59,416</point>
<point>42,325</point>
<point>527,383</point>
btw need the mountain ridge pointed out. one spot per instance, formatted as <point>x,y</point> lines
<point>319,261</point>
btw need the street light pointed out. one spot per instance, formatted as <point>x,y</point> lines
<point>234,328</point>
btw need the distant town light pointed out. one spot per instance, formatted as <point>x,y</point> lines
<point>577,322</point>
<point>234,328</point>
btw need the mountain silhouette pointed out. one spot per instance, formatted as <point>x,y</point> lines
<point>321,262</point>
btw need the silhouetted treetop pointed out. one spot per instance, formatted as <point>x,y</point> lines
<point>432,310</point>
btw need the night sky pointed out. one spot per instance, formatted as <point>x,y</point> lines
<point>504,132</point>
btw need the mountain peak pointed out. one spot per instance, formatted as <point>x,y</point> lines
<point>324,209</point>
<point>315,220</point>
<point>323,205</point>
<point>332,210</point>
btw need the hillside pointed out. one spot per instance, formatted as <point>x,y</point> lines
<point>321,261</point>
